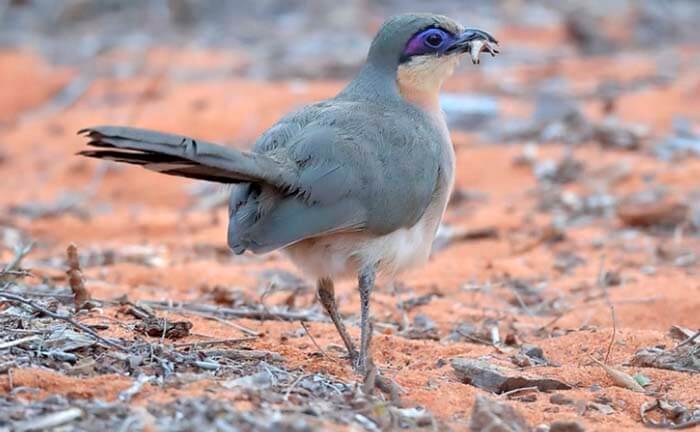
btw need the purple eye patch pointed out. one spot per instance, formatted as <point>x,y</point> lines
<point>429,41</point>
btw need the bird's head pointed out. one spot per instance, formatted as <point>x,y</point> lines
<point>423,50</point>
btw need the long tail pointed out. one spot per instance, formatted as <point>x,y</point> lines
<point>185,157</point>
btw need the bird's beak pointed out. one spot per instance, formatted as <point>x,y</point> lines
<point>473,41</point>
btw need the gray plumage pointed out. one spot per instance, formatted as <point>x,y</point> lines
<point>344,185</point>
<point>328,168</point>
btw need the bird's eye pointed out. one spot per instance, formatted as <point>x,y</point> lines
<point>434,39</point>
<point>431,41</point>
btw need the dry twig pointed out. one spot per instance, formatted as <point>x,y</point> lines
<point>20,253</point>
<point>69,320</point>
<point>200,344</point>
<point>602,283</point>
<point>259,315</point>
<point>49,421</point>
<point>19,341</point>
<point>313,340</point>
<point>126,395</point>
<point>690,340</point>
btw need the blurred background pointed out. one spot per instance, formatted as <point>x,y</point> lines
<point>173,42</point>
<point>577,153</point>
<point>612,75</point>
<point>324,39</point>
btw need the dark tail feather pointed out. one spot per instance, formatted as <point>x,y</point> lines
<point>184,157</point>
<point>164,164</point>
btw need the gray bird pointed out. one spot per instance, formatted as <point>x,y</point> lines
<point>353,185</point>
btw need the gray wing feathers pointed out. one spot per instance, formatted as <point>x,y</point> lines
<point>355,173</point>
<point>263,219</point>
<point>291,221</point>
<point>329,168</point>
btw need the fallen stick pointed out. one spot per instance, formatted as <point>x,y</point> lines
<point>49,421</point>
<point>602,283</point>
<point>126,395</point>
<point>237,354</point>
<point>19,341</point>
<point>140,312</point>
<point>69,320</point>
<point>689,340</point>
<point>213,342</point>
<point>20,253</point>
<point>260,315</point>
<point>238,327</point>
<point>313,340</point>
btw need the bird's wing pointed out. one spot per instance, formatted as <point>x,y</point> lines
<point>333,167</point>
<point>358,171</point>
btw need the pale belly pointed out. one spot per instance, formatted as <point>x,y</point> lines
<point>343,255</point>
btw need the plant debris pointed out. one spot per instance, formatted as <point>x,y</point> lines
<point>34,306</point>
<point>414,302</point>
<point>673,415</point>
<point>685,335</point>
<point>161,327</point>
<point>685,358</point>
<point>81,297</point>
<point>421,328</point>
<point>497,379</point>
<point>257,312</point>
<point>530,355</point>
<point>485,334</point>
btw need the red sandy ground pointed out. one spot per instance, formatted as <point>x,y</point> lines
<point>148,209</point>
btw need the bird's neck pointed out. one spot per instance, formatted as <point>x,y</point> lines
<point>415,85</point>
<point>427,100</point>
<point>420,81</point>
<point>373,83</point>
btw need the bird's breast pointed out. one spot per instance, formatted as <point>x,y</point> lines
<point>343,255</point>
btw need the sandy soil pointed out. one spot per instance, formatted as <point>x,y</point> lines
<point>134,207</point>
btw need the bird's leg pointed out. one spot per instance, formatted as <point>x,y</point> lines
<point>366,284</point>
<point>326,294</point>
